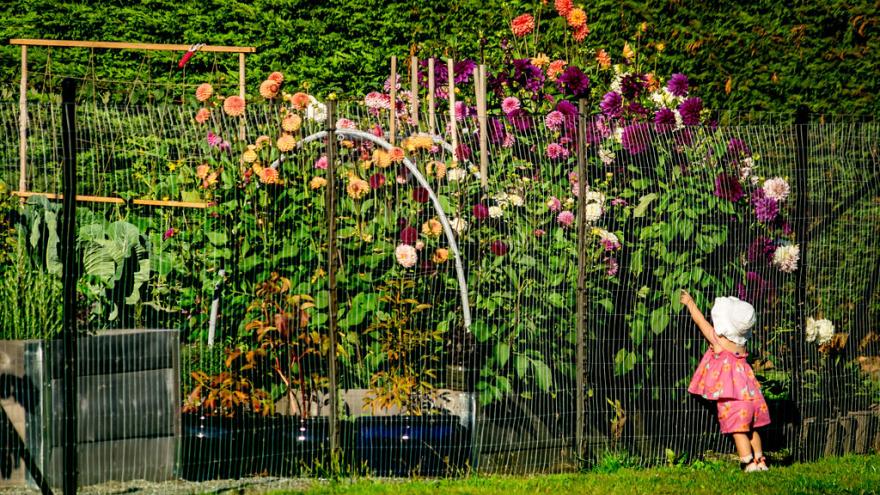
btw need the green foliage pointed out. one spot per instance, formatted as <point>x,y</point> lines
<point>115,265</point>
<point>765,56</point>
<point>850,474</point>
<point>32,300</point>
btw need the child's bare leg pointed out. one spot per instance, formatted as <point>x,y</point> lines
<point>758,451</point>
<point>743,446</point>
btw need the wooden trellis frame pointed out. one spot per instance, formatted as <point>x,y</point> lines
<point>111,45</point>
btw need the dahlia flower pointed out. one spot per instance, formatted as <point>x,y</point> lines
<point>234,106</point>
<point>406,255</point>
<point>522,25</point>
<point>204,92</point>
<point>776,188</point>
<point>786,258</point>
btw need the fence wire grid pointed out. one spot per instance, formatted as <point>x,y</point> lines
<point>205,303</point>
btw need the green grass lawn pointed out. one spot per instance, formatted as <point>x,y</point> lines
<point>843,475</point>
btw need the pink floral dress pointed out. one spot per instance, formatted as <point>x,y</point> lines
<point>727,378</point>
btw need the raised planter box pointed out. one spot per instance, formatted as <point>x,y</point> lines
<point>128,425</point>
<point>230,448</point>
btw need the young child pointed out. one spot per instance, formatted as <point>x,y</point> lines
<point>724,376</point>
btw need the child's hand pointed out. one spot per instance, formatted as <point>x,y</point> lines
<point>685,298</point>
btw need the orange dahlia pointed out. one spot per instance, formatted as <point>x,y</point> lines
<point>357,187</point>
<point>381,158</point>
<point>563,7</point>
<point>603,58</point>
<point>203,115</point>
<point>581,32</point>
<point>300,100</point>
<point>204,92</point>
<point>291,122</point>
<point>249,155</point>
<point>269,89</point>
<point>317,182</point>
<point>277,77</point>
<point>203,170</point>
<point>628,52</point>
<point>261,141</point>
<point>269,175</point>
<point>396,154</point>
<point>233,106</point>
<point>522,25</point>
<point>555,68</point>
<point>576,18</point>
<point>286,143</point>
<point>541,61</point>
<point>440,255</point>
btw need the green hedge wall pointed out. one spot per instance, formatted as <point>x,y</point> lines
<point>772,56</point>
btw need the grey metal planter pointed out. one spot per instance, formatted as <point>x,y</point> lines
<point>128,406</point>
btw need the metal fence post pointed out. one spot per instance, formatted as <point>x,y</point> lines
<point>330,199</point>
<point>581,280</point>
<point>69,276</point>
<point>802,220</point>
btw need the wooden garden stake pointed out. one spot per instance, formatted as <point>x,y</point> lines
<point>482,110</point>
<point>392,130</point>
<point>450,66</point>
<point>432,118</point>
<point>414,90</point>
<point>22,122</point>
<point>581,281</point>
<point>330,200</point>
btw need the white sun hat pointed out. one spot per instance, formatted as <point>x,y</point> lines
<point>733,319</point>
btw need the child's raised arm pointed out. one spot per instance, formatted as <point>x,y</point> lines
<point>701,321</point>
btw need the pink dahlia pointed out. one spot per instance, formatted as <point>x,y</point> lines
<point>554,120</point>
<point>510,105</point>
<point>556,151</point>
<point>565,218</point>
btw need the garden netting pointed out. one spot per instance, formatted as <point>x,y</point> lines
<point>205,303</point>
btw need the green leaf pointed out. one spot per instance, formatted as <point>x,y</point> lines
<point>556,299</point>
<point>521,363</point>
<point>659,319</point>
<point>624,362</point>
<point>502,353</point>
<point>637,331</point>
<point>635,265</point>
<point>216,238</point>
<point>543,375</point>
<point>607,304</point>
<point>644,202</point>
<point>480,330</point>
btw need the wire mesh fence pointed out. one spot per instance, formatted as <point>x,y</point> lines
<point>266,294</point>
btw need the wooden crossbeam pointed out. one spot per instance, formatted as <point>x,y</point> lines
<point>119,201</point>
<point>130,46</point>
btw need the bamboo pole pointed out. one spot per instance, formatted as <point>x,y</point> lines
<point>129,46</point>
<point>581,280</point>
<point>118,201</point>
<point>22,123</point>
<point>414,90</point>
<point>432,117</point>
<point>392,116</point>
<point>482,117</point>
<point>450,66</point>
<point>241,79</point>
<point>241,90</point>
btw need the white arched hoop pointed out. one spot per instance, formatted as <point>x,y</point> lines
<point>447,228</point>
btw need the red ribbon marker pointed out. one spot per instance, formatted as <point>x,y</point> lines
<point>189,54</point>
